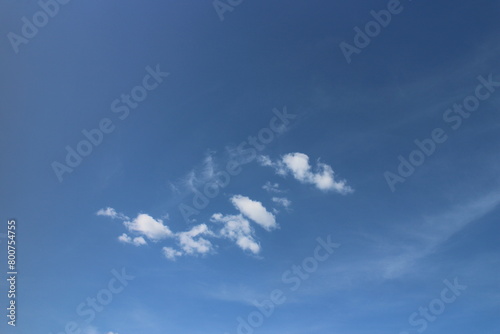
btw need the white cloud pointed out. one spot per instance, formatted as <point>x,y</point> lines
<point>278,166</point>
<point>191,242</point>
<point>255,211</point>
<point>138,241</point>
<point>190,245</point>
<point>148,226</point>
<point>238,229</point>
<point>171,253</point>
<point>272,187</point>
<point>264,160</point>
<point>246,242</point>
<point>298,165</point>
<point>110,212</point>
<point>90,330</point>
<point>285,202</point>
<point>196,240</point>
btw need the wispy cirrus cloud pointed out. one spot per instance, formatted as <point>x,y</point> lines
<point>283,201</point>
<point>422,238</point>
<point>272,188</point>
<point>199,175</point>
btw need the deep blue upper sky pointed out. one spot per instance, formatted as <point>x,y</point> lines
<point>352,122</point>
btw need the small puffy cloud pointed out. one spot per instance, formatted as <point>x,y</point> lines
<point>110,212</point>
<point>148,226</point>
<point>248,243</point>
<point>285,202</point>
<point>171,253</point>
<point>138,241</point>
<point>272,187</point>
<point>264,160</point>
<point>192,243</point>
<point>237,229</point>
<point>255,211</point>
<point>298,165</point>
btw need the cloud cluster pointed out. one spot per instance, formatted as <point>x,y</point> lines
<point>146,227</point>
<point>236,228</point>
<point>111,213</point>
<point>297,164</point>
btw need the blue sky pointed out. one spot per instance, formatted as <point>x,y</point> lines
<point>123,223</point>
